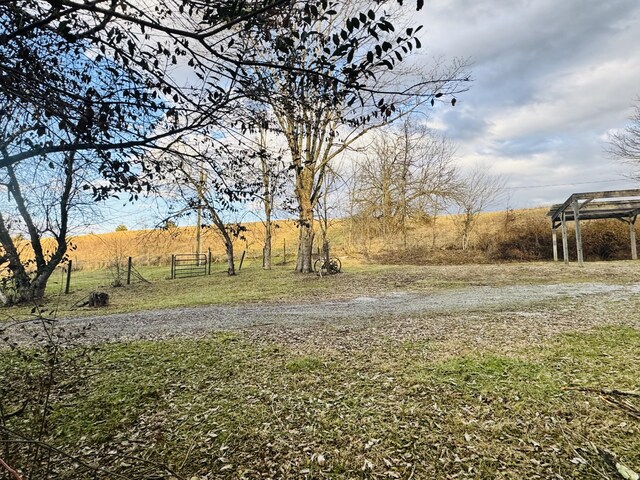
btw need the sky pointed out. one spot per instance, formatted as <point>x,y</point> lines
<point>552,80</point>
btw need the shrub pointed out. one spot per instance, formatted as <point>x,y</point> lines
<point>425,255</point>
<point>527,239</point>
<point>523,238</point>
<point>606,240</point>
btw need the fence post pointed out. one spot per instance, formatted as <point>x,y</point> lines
<point>209,261</point>
<point>241,260</point>
<point>173,267</point>
<point>68,284</point>
<point>129,265</point>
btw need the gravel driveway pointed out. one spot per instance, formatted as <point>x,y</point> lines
<point>192,321</point>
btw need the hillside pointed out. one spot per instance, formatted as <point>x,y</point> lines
<point>499,236</point>
<point>155,247</point>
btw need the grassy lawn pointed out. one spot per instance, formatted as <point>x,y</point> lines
<point>229,406</point>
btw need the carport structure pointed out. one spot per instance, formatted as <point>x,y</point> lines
<point>621,204</point>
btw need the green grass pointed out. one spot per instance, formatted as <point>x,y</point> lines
<point>227,407</point>
<point>304,364</point>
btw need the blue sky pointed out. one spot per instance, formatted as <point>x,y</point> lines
<point>552,79</point>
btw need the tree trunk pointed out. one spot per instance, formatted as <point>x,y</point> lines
<point>28,290</point>
<point>22,284</point>
<point>304,263</point>
<point>266,250</point>
<point>466,229</point>
<point>305,249</point>
<point>39,285</point>
<point>224,233</point>
<point>433,229</point>
<point>325,250</point>
<point>231,267</point>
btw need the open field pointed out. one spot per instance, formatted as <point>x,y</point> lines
<point>499,236</point>
<point>485,371</point>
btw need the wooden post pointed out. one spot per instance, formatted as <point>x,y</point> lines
<point>129,265</point>
<point>241,260</point>
<point>209,261</point>
<point>173,267</point>
<point>554,237</point>
<point>632,238</point>
<point>576,219</point>
<point>565,240</point>
<point>68,283</point>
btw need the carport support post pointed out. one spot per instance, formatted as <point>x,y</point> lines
<point>632,238</point>
<point>554,236</point>
<point>576,216</point>
<point>565,241</point>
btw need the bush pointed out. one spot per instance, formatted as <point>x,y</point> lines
<point>522,239</point>
<point>527,239</point>
<point>425,255</point>
<point>530,239</point>
<point>606,240</point>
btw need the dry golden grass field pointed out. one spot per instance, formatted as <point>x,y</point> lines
<point>521,235</point>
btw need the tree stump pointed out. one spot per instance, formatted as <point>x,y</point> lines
<point>98,299</point>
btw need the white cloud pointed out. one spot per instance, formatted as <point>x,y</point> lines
<point>552,80</point>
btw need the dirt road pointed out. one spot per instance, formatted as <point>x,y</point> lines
<point>393,306</point>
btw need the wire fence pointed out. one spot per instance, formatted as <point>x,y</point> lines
<point>83,274</point>
<point>115,269</point>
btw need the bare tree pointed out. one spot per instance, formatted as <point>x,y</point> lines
<point>479,190</point>
<point>48,188</point>
<point>209,177</point>
<point>115,247</point>
<point>45,201</point>
<point>408,170</point>
<point>625,145</point>
<point>273,176</point>
<point>329,201</point>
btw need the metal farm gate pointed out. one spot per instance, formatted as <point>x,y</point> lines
<point>190,265</point>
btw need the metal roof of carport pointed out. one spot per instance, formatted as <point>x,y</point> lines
<point>620,204</point>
